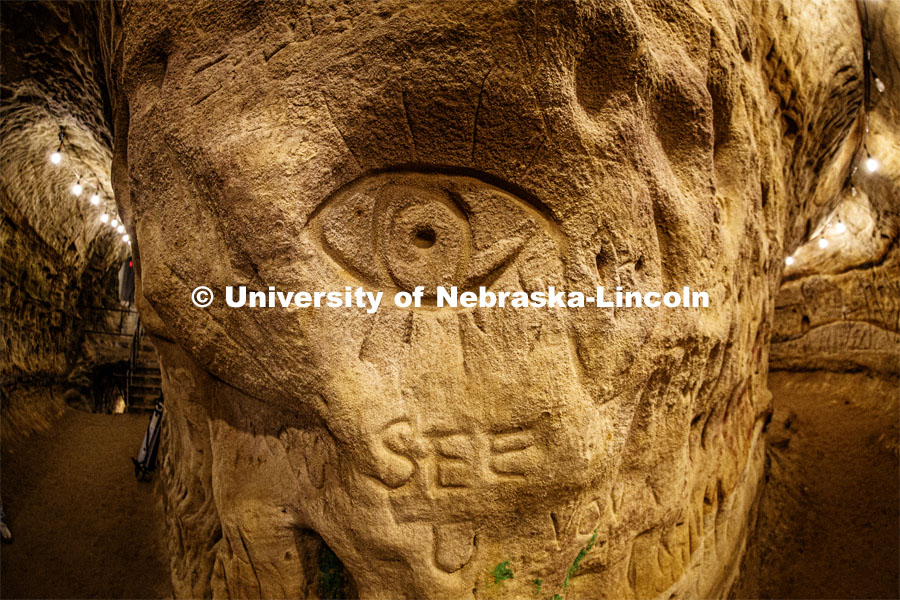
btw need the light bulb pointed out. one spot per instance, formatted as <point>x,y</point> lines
<point>789,260</point>
<point>823,243</point>
<point>114,222</point>
<point>879,85</point>
<point>77,189</point>
<point>95,199</point>
<point>104,218</point>
<point>872,164</point>
<point>120,229</point>
<point>853,191</point>
<point>56,158</point>
<point>839,227</point>
<point>125,238</point>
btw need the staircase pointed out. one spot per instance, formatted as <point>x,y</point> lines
<point>115,344</point>
<point>145,377</point>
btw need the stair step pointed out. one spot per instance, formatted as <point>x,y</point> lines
<point>139,387</point>
<point>143,384</point>
<point>144,400</point>
<point>140,384</point>
<point>146,376</point>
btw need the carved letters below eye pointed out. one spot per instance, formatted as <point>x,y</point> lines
<point>434,472</point>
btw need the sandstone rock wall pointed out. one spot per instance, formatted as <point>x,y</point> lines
<point>841,322</point>
<point>472,453</point>
<point>57,258</point>
<point>839,306</point>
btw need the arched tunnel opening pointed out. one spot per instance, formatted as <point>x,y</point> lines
<point>394,299</point>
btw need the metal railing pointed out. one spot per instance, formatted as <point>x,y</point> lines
<point>133,360</point>
<point>101,317</point>
<point>122,323</point>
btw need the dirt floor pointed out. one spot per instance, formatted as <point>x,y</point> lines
<point>828,519</point>
<point>83,526</point>
<point>827,525</point>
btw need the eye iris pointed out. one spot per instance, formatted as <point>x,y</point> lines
<point>425,238</point>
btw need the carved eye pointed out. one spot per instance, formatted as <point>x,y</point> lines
<point>402,230</point>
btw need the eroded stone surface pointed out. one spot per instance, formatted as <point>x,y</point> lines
<point>839,307</point>
<point>595,453</point>
<point>57,258</point>
<point>843,322</point>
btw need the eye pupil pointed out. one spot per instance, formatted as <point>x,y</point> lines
<point>425,237</point>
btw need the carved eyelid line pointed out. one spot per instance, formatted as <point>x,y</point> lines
<point>451,192</point>
<point>523,197</point>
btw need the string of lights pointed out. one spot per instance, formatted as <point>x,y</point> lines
<point>78,188</point>
<point>870,163</point>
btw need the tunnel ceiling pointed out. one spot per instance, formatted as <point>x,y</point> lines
<point>50,80</point>
<point>863,228</point>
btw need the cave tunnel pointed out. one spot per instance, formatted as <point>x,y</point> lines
<point>450,299</point>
